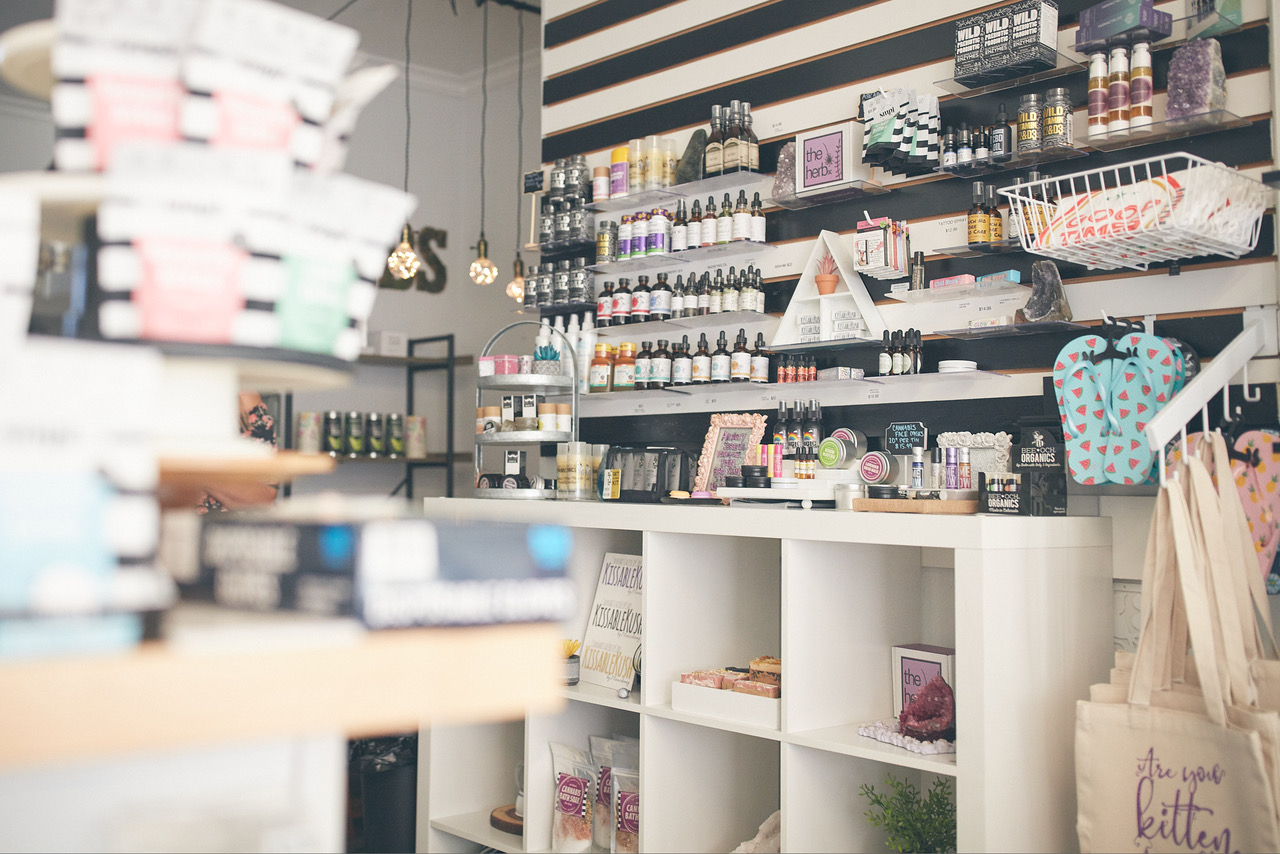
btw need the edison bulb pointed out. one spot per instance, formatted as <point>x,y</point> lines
<point>482,270</point>
<point>403,262</point>
<point>515,290</point>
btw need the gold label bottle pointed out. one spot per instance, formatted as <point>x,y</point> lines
<point>979,223</point>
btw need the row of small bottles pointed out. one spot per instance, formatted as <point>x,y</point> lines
<point>561,282</point>
<point>732,145</point>
<point>798,427</point>
<point>657,232</point>
<point>565,220</point>
<point>677,365</point>
<point>1121,91</point>
<point>985,222</point>
<point>621,304</point>
<point>970,148</point>
<point>901,353</point>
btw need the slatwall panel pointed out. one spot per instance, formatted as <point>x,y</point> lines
<point>619,69</point>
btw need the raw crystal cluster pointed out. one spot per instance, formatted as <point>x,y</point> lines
<point>1197,81</point>
<point>784,180</point>
<point>690,167</point>
<point>1048,301</point>
<point>932,714</point>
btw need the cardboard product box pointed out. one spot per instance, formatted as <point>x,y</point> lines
<point>387,343</point>
<point>997,38</point>
<point>829,158</point>
<point>389,572</point>
<point>1000,493</point>
<point>1120,22</point>
<point>1042,462</point>
<point>514,462</point>
<point>969,52</point>
<point>1033,41</point>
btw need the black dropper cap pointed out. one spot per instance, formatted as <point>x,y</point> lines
<point>1002,116</point>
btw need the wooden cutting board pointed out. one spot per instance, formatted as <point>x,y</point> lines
<point>906,505</point>
<point>506,820</point>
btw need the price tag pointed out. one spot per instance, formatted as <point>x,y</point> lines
<point>873,394</point>
<point>964,306</point>
<point>533,182</point>
<point>987,308</point>
<point>954,226</point>
<point>775,127</point>
<point>902,436</point>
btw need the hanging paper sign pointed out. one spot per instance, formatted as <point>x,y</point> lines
<point>613,624</point>
<point>902,436</point>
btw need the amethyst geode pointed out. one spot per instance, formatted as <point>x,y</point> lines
<point>1197,81</point>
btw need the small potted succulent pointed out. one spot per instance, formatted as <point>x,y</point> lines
<point>826,278</point>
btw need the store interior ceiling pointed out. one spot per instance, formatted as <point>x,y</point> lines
<point>442,39</point>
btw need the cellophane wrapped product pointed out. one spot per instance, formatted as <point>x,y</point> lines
<point>574,802</point>
<point>625,798</point>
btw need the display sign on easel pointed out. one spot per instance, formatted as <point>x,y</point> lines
<point>614,623</point>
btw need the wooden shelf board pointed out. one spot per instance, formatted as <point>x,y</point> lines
<point>475,827</point>
<point>600,696</point>
<point>165,696</point>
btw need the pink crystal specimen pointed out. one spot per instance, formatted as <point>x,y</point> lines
<point>932,714</point>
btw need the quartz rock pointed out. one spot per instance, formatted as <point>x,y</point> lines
<point>1197,80</point>
<point>784,180</point>
<point>1048,300</point>
<point>690,167</point>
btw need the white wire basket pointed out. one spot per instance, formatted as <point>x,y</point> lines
<point>1159,209</point>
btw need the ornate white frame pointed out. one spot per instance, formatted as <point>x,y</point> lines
<point>988,452</point>
<point>754,420</point>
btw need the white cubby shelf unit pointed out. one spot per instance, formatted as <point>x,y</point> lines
<point>1024,601</point>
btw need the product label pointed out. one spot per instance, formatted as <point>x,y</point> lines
<point>189,292</point>
<point>598,377</point>
<point>660,302</point>
<point>721,368</point>
<point>604,307</point>
<point>1028,130</point>
<point>1118,95</point>
<point>704,301</point>
<point>979,228</point>
<point>702,369</point>
<point>714,158</point>
<point>757,232</point>
<point>1140,93</point>
<point>571,795</point>
<point>679,238</point>
<point>730,158</point>
<point>874,467</point>
<point>1098,97</point>
<point>729,300</point>
<point>682,371</point>
<point>618,180</point>
<point>677,305</point>
<point>642,370</point>
<point>1056,121</point>
<point>694,231</point>
<point>624,376</point>
<point>741,229</point>
<point>640,303</point>
<point>622,305</point>
<point>660,371</point>
<point>628,817</point>
<point>715,302</point>
<point>740,366</point>
<point>885,365</point>
<point>759,369</point>
<point>948,158</point>
<point>724,229</point>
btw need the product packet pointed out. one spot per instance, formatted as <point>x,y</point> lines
<point>169,262</point>
<point>625,798</point>
<point>878,113</point>
<point>602,750</point>
<point>115,66</point>
<point>261,75</point>
<point>574,803</point>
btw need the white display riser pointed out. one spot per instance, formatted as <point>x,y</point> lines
<point>1025,602</point>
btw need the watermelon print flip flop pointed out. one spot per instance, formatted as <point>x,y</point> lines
<point>1086,426</point>
<point>1130,405</point>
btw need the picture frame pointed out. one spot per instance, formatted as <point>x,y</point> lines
<point>988,452</point>
<point>729,439</point>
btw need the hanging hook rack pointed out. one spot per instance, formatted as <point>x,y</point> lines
<point>1213,378</point>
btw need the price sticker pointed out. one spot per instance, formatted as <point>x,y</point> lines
<point>873,394</point>
<point>983,308</point>
<point>775,127</point>
<point>953,226</point>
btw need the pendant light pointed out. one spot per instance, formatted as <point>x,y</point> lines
<point>515,288</point>
<point>483,271</point>
<point>404,263</point>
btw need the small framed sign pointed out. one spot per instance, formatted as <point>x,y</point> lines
<point>729,439</point>
<point>533,182</point>
<point>902,436</point>
<point>914,666</point>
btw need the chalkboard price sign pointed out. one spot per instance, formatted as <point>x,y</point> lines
<point>902,436</point>
<point>533,181</point>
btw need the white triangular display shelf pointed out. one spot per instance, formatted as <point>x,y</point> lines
<point>850,293</point>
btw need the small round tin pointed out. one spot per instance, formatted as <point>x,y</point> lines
<point>882,491</point>
<point>756,482</point>
<point>755,471</point>
<point>733,481</point>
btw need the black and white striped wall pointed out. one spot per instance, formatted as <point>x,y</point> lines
<point>614,70</point>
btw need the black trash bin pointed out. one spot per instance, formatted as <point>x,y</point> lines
<point>389,792</point>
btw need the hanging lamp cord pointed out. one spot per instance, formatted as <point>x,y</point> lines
<point>484,107</point>
<point>407,25</point>
<point>520,117</point>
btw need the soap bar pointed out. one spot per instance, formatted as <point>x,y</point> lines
<point>1197,80</point>
<point>701,678</point>
<point>729,678</point>
<point>759,689</point>
<point>766,669</point>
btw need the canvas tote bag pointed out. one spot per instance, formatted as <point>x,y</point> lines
<point>1170,769</point>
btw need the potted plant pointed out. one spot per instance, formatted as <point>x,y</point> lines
<point>914,823</point>
<point>826,277</point>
